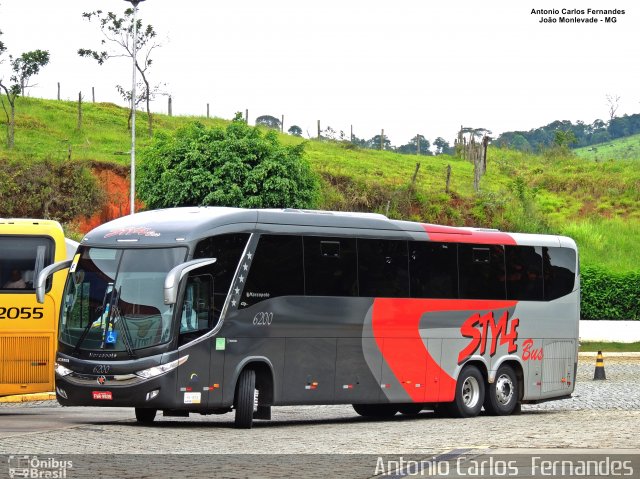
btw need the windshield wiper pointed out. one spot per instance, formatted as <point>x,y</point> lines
<point>90,324</point>
<point>116,317</point>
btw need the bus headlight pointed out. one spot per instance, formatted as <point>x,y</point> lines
<point>61,370</point>
<point>162,369</point>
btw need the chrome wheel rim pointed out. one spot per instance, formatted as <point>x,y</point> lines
<point>470,392</point>
<point>504,389</point>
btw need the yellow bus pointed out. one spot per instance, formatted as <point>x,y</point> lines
<point>28,330</point>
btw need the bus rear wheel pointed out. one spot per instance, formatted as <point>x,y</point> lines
<point>502,394</point>
<point>376,410</point>
<point>469,393</point>
<point>245,399</point>
<point>145,415</point>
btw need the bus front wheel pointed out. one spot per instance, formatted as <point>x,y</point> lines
<point>245,399</point>
<point>502,394</point>
<point>469,393</point>
<point>145,415</point>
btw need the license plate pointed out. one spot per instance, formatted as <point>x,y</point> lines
<point>102,395</point>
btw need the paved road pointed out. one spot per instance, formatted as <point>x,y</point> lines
<point>602,414</point>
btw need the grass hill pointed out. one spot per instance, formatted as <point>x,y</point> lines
<point>597,203</point>
<point>627,148</point>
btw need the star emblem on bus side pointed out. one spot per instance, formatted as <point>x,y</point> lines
<point>237,290</point>
<point>233,302</point>
<point>249,256</point>
<point>241,279</point>
<point>245,267</point>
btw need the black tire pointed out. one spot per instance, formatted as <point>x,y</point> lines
<point>502,395</point>
<point>244,399</point>
<point>376,410</point>
<point>145,415</point>
<point>469,393</point>
<point>411,409</point>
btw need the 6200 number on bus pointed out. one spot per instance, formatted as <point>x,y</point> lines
<point>21,313</point>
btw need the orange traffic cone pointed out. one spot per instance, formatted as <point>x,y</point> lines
<point>599,373</point>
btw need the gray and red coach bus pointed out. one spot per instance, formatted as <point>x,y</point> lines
<point>212,310</point>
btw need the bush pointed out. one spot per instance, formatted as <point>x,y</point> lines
<point>607,295</point>
<point>47,189</point>
<point>237,166</point>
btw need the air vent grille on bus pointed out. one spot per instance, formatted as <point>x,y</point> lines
<point>557,365</point>
<point>24,359</point>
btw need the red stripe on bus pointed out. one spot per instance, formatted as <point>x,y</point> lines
<point>446,234</point>
<point>396,328</point>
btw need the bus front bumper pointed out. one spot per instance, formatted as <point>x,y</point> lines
<point>117,391</point>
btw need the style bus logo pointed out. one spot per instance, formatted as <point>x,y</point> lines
<point>35,467</point>
<point>480,327</point>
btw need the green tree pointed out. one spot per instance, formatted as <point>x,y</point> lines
<point>238,166</point>
<point>23,68</point>
<point>268,121</point>
<point>442,146</point>
<point>374,143</point>
<point>295,130</point>
<point>118,42</point>
<point>412,147</point>
<point>564,138</point>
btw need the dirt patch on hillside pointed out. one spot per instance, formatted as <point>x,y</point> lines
<point>114,181</point>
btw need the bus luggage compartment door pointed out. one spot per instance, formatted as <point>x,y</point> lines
<point>309,370</point>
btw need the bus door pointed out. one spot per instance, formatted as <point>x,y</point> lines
<point>194,387</point>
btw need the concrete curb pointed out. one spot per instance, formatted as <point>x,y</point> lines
<point>28,397</point>
<point>592,354</point>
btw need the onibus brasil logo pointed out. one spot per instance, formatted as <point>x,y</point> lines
<point>36,467</point>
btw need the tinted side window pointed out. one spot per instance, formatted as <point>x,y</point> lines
<point>434,269</point>
<point>276,270</point>
<point>227,250</point>
<point>481,271</point>
<point>383,268</point>
<point>524,272</point>
<point>330,266</point>
<point>559,269</point>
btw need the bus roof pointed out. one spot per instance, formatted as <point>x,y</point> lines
<point>173,226</point>
<point>29,226</point>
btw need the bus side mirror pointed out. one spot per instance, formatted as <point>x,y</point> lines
<point>173,278</point>
<point>41,281</point>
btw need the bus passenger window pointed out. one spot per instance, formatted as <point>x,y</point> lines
<point>433,269</point>
<point>524,272</point>
<point>559,269</point>
<point>383,268</point>
<point>327,275</point>
<point>276,270</point>
<point>482,274</point>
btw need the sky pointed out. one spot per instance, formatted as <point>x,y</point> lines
<point>405,66</point>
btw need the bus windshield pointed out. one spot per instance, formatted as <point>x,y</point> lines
<point>113,299</point>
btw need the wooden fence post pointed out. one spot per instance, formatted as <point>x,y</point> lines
<point>446,188</point>
<point>79,111</point>
<point>93,94</point>
<point>246,116</point>
<point>207,110</point>
<point>58,91</point>
<point>169,106</point>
